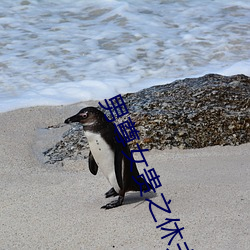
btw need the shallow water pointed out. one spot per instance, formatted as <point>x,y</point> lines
<point>62,52</point>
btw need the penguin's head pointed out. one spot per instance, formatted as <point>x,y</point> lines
<point>88,117</point>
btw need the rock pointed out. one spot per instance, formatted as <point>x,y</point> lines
<point>190,113</point>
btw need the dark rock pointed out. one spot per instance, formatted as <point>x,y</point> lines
<point>190,113</point>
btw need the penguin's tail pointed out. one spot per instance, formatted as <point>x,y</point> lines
<point>141,185</point>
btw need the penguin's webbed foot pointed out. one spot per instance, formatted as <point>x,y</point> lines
<point>113,204</point>
<point>111,193</point>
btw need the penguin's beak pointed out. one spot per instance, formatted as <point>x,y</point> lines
<point>74,118</point>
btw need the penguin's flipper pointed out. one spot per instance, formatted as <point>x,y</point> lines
<point>118,165</point>
<point>111,193</point>
<point>93,167</point>
<point>113,204</point>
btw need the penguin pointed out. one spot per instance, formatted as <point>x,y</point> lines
<point>106,154</point>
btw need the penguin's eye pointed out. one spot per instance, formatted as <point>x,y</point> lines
<point>84,115</point>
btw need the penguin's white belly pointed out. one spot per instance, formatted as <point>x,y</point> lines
<point>104,157</point>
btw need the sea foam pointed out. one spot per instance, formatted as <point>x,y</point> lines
<point>63,52</point>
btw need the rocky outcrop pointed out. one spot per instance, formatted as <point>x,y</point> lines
<point>190,113</point>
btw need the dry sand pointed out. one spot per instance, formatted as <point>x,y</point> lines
<point>58,207</point>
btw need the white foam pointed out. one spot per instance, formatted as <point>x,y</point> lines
<point>63,52</point>
<point>242,67</point>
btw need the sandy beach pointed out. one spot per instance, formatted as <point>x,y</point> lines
<point>45,206</point>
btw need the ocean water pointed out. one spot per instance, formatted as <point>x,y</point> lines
<point>61,52</point>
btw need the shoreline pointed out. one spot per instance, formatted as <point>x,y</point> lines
<point>58,207</point>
